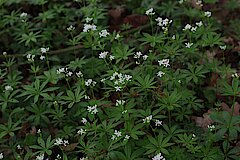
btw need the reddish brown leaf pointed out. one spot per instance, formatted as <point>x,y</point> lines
<point>135,20</point>
<point>203,121</point>
<point>236,112</point>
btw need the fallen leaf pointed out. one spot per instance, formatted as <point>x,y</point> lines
<point>236,110</point>
<point>203,121</point>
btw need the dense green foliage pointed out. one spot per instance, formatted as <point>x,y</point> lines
<point>76,83</point>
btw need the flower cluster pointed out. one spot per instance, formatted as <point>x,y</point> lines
<point>71,28</point>
<point>1,155</point>
<point>211,127</point>
<point>120,80</point>
<point>8,88</point>
<point>92,109</point>
<point>150,12</point>
<point>116,135</point>
<point>158,157</point>
<point>90,82</point>
<point>81,131</point>
<point>89,27</point>
<point>40,157</point>
<point>147,119</point>
<point>207,14</point>
<point>30,57</point>
<point>65,71</point>
<point>164,23</point>
<point>103,33</point>
<point>235,75</point>
<point>60,141</point>
<point>79,74</point>
<point>44,50</point>
<point>103,55</point>
<point>138,55</point>
<point>164,62</point>
<point>193,28</point>
<point>120,102</point>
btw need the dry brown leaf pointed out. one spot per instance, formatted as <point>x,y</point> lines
<point>135,20</point>
<point>70,147</point>
<point>236,110</point>
<point>203,121</point>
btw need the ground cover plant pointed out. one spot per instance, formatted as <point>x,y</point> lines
<point>119,80</point>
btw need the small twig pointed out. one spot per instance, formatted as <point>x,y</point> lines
<point>80,46</point>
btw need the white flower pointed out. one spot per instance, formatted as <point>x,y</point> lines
<point>84,120</point>
<point>163,23</point>
<point>117,36</point>
<point>88,19</point>
<point>8,88</point>
<point>86,97</point>
<point>19,147</point>
<point>193,136</point>
<point>223,47</point>
<point>147,119</point>
<point>199,3</point>
<point>125,111</point>
<point>42,57</point>
<point>111,57</point>
<point>79,74</point>
<point>117,88</point>
<point>88,27</point>
<point>211,127</point>
<point>44,50</point>
<point>164,62</point>
<point>89,82</point>
<point>160,73</point>
<point>120,102</point>
<point>158,157</point>
<point>180,1</point>
<point>235,75</point>
<point>4,53</point>
<point>23,15</point>
<point>69,74</point>
<point>158,123</point>
<point>118,133</point>
<point>58,156</point>
<point>103,55</point>
<point>65,142</point>
<point>59,141</point>
<point>207,14</point>
<point>40,157</point>
<point>81,131</point>
<point>1,155</point>
<point>149,12</point>
<point>199,24</point>
<point>70,28</point>
<point>39,131</point>
<point>30,57</point>
<point>137,55</point>
<point>103,33</point>
<point>194,29</point>
<point>86,158</point>
<point>61,70</point>
<point>188,45</point>
<point>145,57</point>
<point>92,109</point>
<point>126,137</point>
<point>187,27</point>
<point>174,37</point>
